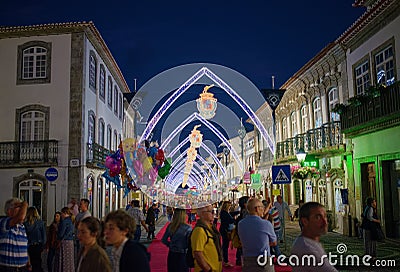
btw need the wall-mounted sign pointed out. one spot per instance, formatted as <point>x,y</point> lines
<point>51,174</point>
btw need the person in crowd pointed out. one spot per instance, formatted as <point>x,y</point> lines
<point>205,241</point>
<point>92,257</point>
<point>176,239</point>
<point>156,209</point>
<point>227,224</point>
<point>139,218</point>
<point>170,212</point>
<point>189,215</point>
<point>273,217</point>
<point>127,255</point>
<point>73,206</point>
<point>13,239</point>
<point>151,222</point>
<point>370,218</point>
<point>51,243</point>
<point>296,212</point>
<point>281,206</point>
<point>36,232</point>
<point>216,215</point>
<point>243,212</point>
<point>256,235</point>
<point>313,223</point>
<point>83,213</point>
<point>64,259</point>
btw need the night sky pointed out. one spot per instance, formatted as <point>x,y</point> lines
<point>257,38</point>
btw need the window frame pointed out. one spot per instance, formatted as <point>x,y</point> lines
<point>92,71</point>
<point>317,112</point>
<point>20,63</point>
<point>332,102</point>
<point>304,118</point>
<point>102,83</point>
<point>391,59</point>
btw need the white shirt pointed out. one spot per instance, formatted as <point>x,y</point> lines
<point>116,255</point>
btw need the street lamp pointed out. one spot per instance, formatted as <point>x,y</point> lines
<point>242,134</point>
<point>301,155</point>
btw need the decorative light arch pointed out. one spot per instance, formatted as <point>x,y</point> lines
<point>185,86</point>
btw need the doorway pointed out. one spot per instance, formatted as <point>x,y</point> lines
<point>391,197</point>
<point>368,182</point>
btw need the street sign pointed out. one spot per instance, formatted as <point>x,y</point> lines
<point>51,174</point>
<point>246,177</point>
<point>281,174</point>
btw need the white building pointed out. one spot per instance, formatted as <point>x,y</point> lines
<point>62,108</point>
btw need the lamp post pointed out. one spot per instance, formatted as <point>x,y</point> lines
<point>301,156</point>
<point>242,134</point>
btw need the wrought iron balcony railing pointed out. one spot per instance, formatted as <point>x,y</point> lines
<point>327,136</point>
<point>372,111</point>
<point>14,154</point>
<point>96,154</point>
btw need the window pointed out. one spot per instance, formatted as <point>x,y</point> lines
<point>317,112</point>
<point>362,78</point>
<point>115,100</point>
<point>91,128</point>
<point>115,141</point>
<point>101,132</point>
<point>384,63</point>
<point>109,92</point>
<point>120,106</point>
<point>293,120</point>
<point>304,118</point>
<point>109,135</point>
<point>31,192</point>
<point>92,71</point>
<point>333,101</point>
<point>34,63</point>
<point>32,126</point>
<point>284,129</point>
<point>102,85</point>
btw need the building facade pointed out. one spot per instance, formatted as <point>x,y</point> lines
<point>63,112</point>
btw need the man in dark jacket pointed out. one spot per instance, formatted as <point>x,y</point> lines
<point>151,221</point>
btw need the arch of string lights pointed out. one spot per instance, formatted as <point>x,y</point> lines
<point>205,147</point>
<point>181,161</point>
<point>192,80</point>
<point>196,176</point>
<point>197,116</point>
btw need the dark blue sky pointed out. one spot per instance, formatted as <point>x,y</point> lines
<point>257,38</point>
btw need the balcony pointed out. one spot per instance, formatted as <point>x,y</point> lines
<point>29,153</point>
<point>96,155</point>
<point>326,139</point>
<point>372,112</point>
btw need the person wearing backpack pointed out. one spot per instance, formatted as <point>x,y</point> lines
<point>176,239</point>
<point>206,242</point>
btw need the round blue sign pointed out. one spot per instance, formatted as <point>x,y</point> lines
<point>51,174</point>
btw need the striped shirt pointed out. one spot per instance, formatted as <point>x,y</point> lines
<point>13,244</point>
<point>275,218</point>
<point>137,214</point>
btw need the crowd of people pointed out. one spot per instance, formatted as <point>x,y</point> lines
<point>77,241</point>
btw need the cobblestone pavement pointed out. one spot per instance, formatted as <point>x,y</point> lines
<point>387,251</point>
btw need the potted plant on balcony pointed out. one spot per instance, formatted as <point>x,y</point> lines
<point>339,108</point>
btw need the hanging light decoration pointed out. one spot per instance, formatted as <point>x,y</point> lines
<point>196,137</point>
<point>207,103</point>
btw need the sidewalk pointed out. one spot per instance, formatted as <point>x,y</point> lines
<point>339,244</point>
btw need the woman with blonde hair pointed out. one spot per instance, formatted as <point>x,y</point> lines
<point>64,260</point>
<point>176,239</point>
<point>36,233</point>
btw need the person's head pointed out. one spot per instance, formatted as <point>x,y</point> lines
<point>371,202</point>
<point>135,203</point>
<point>88,231</point>
<point>301,202</point>
<point>84,204</point>
<point>32,215</point>
<point>65,212</point>
<point>279,199</point>
<point>206,213</point>
<point>265,202</point>
<point>178,218</point>
<point>57,217</point>
<point>12,208</point>
<point>118,226</point>
<point>243,202</point>
<point>313,220</point>
<point>255,207</point>
<point>226,205</point>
